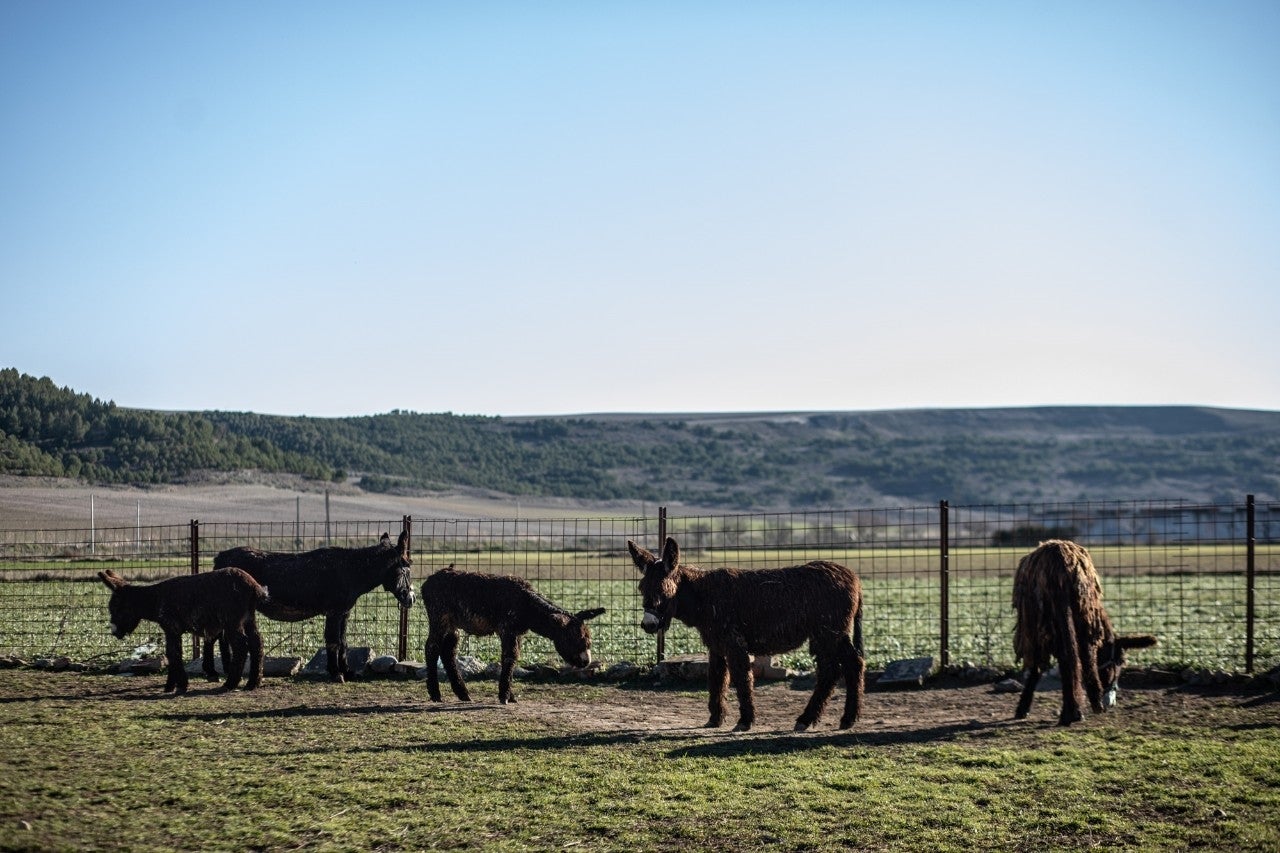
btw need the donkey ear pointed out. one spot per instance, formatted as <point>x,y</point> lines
<point>584,615</point>
<point>111,579</point>
<point>402,543</point>
<point>671,554</point>
<point>1140,641</point>
<point>642,558</point>
<point>385,539</point>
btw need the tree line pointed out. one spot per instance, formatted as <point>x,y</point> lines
<point>966,456</point>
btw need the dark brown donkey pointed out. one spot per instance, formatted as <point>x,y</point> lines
<point>761,612</point>
<point>495,604</point>
<point>326,581</point>
<point>1058,598</point>
<point>212,604</point>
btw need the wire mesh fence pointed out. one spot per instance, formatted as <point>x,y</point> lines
<point>937,580</point>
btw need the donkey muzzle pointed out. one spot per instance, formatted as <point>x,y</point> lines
<point>651,622</point>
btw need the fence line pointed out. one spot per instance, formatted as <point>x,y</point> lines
<point>1205,578</point>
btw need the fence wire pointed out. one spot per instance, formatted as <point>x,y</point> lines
<point>937,580</point>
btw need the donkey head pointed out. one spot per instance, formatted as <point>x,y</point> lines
<point>1111,659</point>
<point>124,618</point>
<point>573,638</point>
<point>398,579</point>
<point>659,585</point>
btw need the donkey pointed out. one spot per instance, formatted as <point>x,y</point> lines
<point>221,603</point>
<point>326,580</point>
<point>1058,598</point>
<point>762,612</point>
<point>491,604</point>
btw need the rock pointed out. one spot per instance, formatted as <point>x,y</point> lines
<point>682,668</point>
<point>11,662</point>
<point>272,667</point>
<point>1008,685</point>
<point>621,671</point>
<point>767,668</point>
<point>410,668</point>
<point>471,667</point>
<point>357,661</point>
<point>383,664</point>
<point>60,664</point>
<point>909,671</point>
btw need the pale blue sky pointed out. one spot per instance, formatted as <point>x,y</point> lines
<point>550,208</point>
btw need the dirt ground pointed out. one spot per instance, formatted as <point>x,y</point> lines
<point>943,709</point>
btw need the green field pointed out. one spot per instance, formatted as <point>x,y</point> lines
<point>1192,598</point>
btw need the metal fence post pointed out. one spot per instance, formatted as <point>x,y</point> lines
<point>406,525</point>
<point>662,541</point>
<point>195,570</point>
<point>1249,570</point>
<point>944,576</point>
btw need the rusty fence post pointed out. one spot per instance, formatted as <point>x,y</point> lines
<point>662,540</point>
<point>195,570</point>
<point>1250,568</point>
<point>406,525</point>
<point>944,579</point>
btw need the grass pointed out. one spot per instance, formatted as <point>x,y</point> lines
<point>100,762</point>
<point>1192,597</point>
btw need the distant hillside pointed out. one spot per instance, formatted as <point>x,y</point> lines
<point>731,461</point>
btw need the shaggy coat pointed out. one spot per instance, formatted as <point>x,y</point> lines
<point>326,581</point>
<point>761,612</point>
<point>222,603</point>
<point>490,604</point>
<point>1058,599</point>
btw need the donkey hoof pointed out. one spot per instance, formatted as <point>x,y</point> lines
<point>847,724</point>
<point>802,726</point>
<point>713,723</point>
<point>742,726</point>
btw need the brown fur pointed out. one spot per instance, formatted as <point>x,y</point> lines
<point>1058,599</point>
<point>763,612</point>
<point>219,603</point>
<point>325,581</point>
<point>492,604</point>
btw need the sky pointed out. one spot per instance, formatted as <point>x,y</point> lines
<point>334,209</point>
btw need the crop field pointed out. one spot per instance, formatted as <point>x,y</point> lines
<point>91,761</point>
<point>1197,609</point>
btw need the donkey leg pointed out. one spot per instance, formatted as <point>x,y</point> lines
<point>239,651</point>
<point>744,683</point>
<point>206,659</point>
<point>510,654</point>
<point>828,671</point>
<point>431,652</point>
<point>1069,668</point>
<point>255,653</point>
<point>854,666</point>
<point>449,656</point>
<point>334,623</point>
<point>717,683</point>
<point>1089,676</point>
<point>1028,691</point>
<point>176,680</point>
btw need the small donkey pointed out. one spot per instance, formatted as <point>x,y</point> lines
<point>766,611</point>
<point>222,602</point>
<point>493,604</point>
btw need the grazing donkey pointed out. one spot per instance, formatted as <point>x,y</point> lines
<point>492,604</point>
<point>1058,597</point>
<point>763,612</point>
<point>222,603</point>
<point>326,580</point>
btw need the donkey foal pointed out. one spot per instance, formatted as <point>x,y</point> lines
<point>219,603</point>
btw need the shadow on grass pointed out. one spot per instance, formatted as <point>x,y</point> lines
<point>320,711</point>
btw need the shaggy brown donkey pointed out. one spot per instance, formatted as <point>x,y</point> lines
<point>492,604</point>
<point>220,603</point>
<point>762,612</point>
<point>1058,597</point>
<point>324,581</point>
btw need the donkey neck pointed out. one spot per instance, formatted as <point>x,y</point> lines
<point>541,615</point>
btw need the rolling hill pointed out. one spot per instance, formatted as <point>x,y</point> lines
<point>747,461</point>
